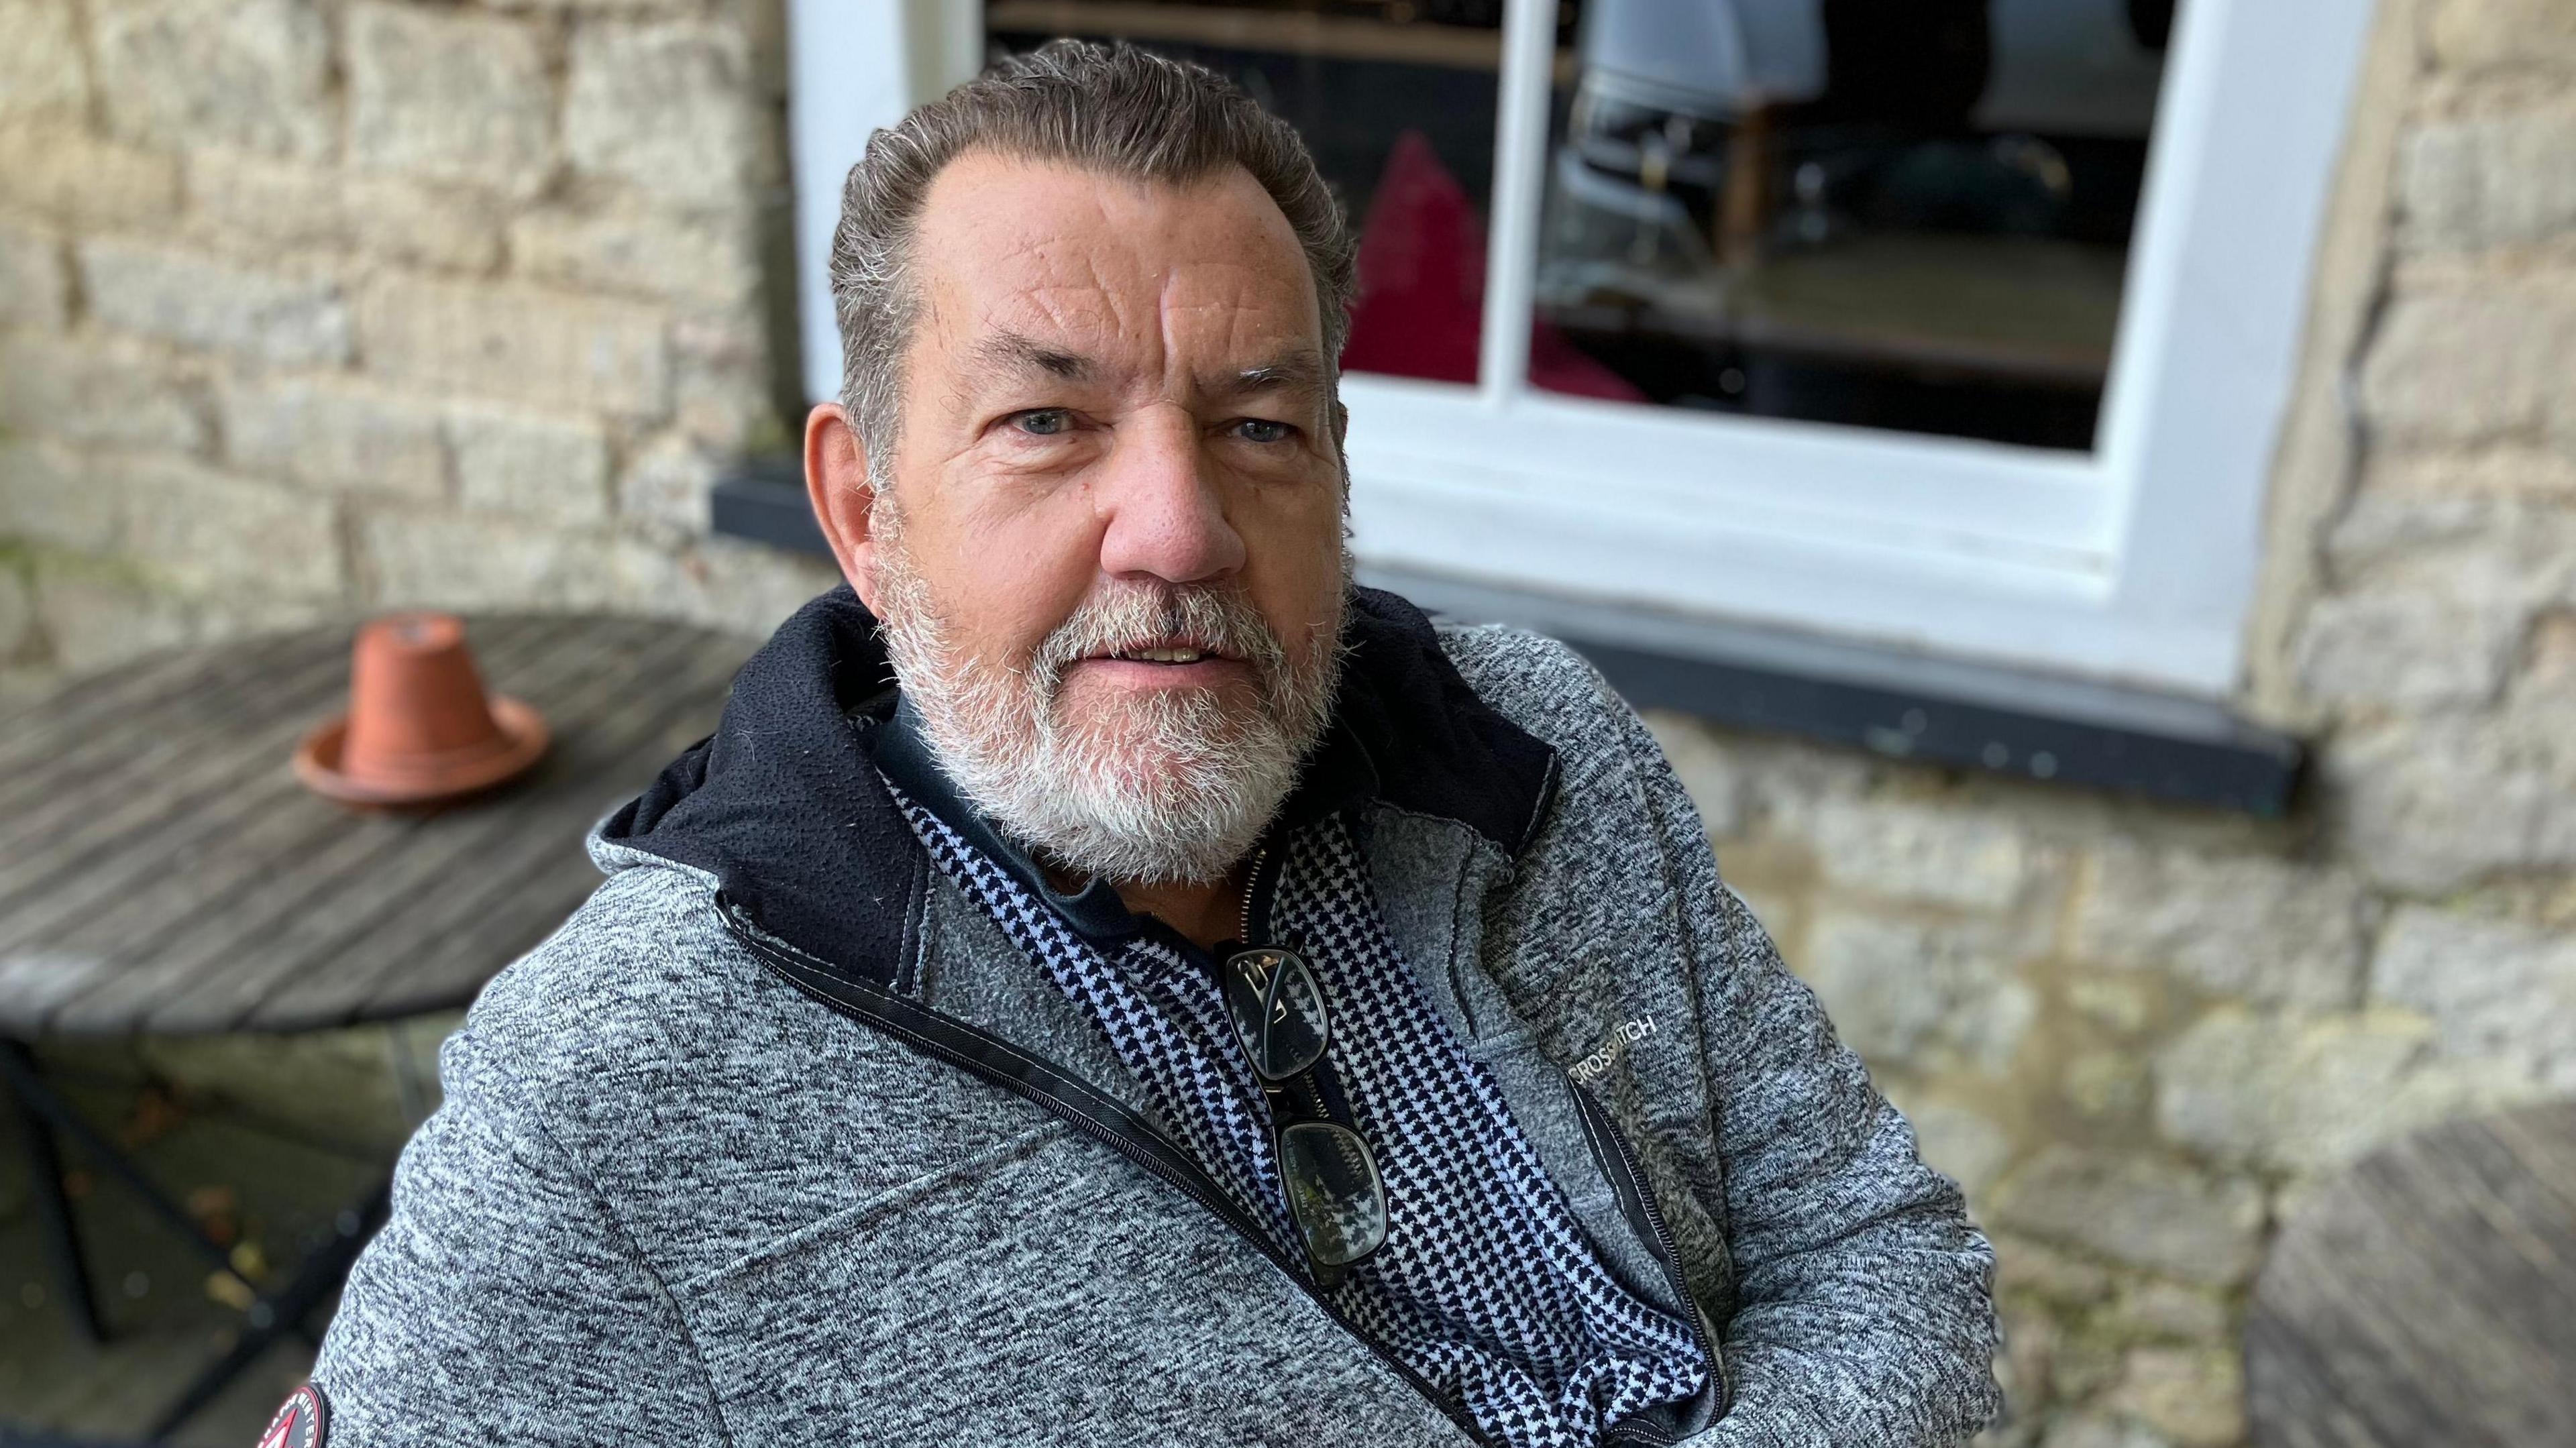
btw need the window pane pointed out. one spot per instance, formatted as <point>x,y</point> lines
<point>1396,100</point>
<point>1902,215</point>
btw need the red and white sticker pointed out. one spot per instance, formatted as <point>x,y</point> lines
<point>299,1421</point>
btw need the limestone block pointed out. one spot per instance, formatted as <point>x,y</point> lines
<point>665,487</point>
<point>205,531</point>
<point>1915,994</point>
<point>2489,180</point>
<point>422,225</point>
<point>1960,1142</point>
<point>2235,924</point>
<point>49,496</point>
<point>523,462</point>
<point>2472,34</point>
<point>2169,1311</point>
<point>487,561</point>
<point>449,94</point>
<point>2428,805</point>
<point>720,380</point>
<point>2465,365</point>
<point>35,289</point>
<point>745,587</point>
<point>41,71</point>
<point>2478,548</point>
<point>2105,1083</point>
<point>331,432</point>
<point>2101,1430</point>
<point>95,620</point>
<point>239,198</point>
<point>1937,853</point>
<point>2312,1096</point>
<point>17,611</point>
<point>2027,1268</point>
<point>2497,990</point>
<point>1705,768</point>
<point>200,301</point>
<point>2141,1211</point>
<point>639,252</point>
<point>517,344</point>
<point>2410,648</point>
<point>252,73</point>
<point>242,199</point>
<point>2124,1005</point>
<point>2512,471</point>
<point>90,389</point>
<point>2195,1397</point>
<point>668,109</point>
<point>63,172</point>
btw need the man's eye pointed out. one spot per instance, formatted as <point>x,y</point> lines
<point>1262,429</point>
<point>1045,421</point>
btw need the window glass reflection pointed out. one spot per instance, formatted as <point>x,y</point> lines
<point>1396,100</point>
<point>1908,214</point>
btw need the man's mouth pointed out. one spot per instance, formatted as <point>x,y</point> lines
<point>1166,653</point>
<point>1161,656</point>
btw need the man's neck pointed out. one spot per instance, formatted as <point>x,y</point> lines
<point>1206,914</point>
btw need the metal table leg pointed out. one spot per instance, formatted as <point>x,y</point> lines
<point>272,1317</point>
<point>45,1185</point>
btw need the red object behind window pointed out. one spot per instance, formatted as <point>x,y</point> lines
<point>1422,287</point>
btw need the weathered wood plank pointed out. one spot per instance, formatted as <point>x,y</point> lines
<point>2427,1298</point>
<point>191,976</point>
<point>476,919</point>
<point>112,708</point>
<point>174,843</point>
<point>181,896</point>
<point>75,787</point>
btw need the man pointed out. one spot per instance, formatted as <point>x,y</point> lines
<point>1110,980</point>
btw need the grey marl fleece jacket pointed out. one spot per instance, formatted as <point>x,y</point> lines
<point>778,1139</point>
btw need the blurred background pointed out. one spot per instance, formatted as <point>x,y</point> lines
<point>2084,490</point>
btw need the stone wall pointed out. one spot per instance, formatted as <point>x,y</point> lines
<point>307,307</point>
<point>2135,1033</point>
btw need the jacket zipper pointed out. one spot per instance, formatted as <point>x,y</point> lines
<point>1107,1122</point>
<point>1630,1181</point>
<point>1252,884</point>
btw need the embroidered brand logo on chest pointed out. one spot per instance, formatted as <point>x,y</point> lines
<point>1622,1036</point>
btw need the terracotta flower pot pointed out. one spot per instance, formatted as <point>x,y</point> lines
<point>419,729</point>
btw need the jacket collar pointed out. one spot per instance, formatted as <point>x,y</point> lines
<point>785,807</point>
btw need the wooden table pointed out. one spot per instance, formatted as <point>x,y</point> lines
<point>162,872</point>
<point>2426,1299</point>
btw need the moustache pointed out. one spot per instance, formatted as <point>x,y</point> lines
<point>1135,616</point>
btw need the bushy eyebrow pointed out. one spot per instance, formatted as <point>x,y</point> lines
<point>1022,354</point>
<point>1300,370</point>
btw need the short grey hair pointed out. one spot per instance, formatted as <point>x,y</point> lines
<point>1114,109</point>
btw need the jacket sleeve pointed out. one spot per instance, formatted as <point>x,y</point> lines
<point>503,1302</point>
<point>1865,1312</point>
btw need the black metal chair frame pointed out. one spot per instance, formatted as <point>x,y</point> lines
<point>45,1120</point>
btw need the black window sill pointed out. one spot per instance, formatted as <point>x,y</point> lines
<point>1907,706</point>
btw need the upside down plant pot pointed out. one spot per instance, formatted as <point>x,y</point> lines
<point>419,728</point>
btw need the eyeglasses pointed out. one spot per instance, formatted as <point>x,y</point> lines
<point>1334,1191</point>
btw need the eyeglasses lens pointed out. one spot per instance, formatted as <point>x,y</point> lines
<point>1278,1011</point>
<point>1333,1191</point>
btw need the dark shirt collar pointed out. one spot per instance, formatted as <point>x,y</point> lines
<point>1337,774</point>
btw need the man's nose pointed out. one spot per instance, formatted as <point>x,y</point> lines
<point>1165,507</point>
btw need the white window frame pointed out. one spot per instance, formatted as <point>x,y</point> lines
<point>2135,562</point>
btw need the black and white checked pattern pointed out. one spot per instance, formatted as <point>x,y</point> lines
<point>1486,1286</point>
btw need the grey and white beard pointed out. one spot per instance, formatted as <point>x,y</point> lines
<point>1164,786</point>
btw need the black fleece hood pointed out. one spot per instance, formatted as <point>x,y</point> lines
<point>783,804</point>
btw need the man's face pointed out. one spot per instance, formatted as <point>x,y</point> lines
<point>1113,575</point>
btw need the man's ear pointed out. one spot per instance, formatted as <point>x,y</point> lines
<point>836,483</point>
